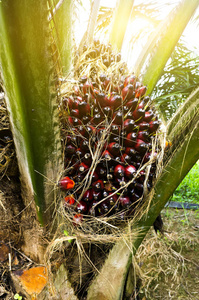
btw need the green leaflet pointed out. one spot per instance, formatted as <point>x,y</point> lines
<point>162,50</point>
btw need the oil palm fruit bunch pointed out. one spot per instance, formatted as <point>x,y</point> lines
<point>109,131</point>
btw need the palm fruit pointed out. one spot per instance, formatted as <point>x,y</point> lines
<point>109,131</point>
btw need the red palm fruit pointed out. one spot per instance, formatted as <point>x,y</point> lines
<point>75,104</point>
<point>143,135</point>
<point>106,155</point>
<point>124,201</point>
<point>66,183</point>
<point>130,171</point>
<point>141,146</point>
<point>125,158</point>
<point>138,115</point>
<point>69,200</point>
<point>98,185</point>
<point>140,91</point>
<point>130,80</point>
<point>84,108</point>
<point>102,100</point>
<point>87,88</point>
<point>129,125</point>
<point>115,101</point>
<point>82,207</point>
<point>119,171</point>
<point>148,116</point>
<point>153,126</point>
<point>143,126</point>
<point>141,105</point>
<point>67,102</point>
<point>118,117</point>
<point>132,104</point>
<point>130,139</point>
<point>83,167</point>
<point>77,219</point>
<point>88,195</point>
<point>74,113</point>
<point>128,92</point>
<point>114,148</point>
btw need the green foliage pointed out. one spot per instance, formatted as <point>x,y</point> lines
<point>187,191</point>
<point>180,77</point>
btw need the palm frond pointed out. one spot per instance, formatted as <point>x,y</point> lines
<point>180,77</point>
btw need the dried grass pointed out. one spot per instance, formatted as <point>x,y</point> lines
<point>161,264</point>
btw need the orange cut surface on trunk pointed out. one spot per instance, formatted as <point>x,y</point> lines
<point>34,280</point>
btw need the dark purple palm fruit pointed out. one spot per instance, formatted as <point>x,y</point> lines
<point>129,125</point>
<point>124,201</point>
<point>82,207</point>
<point>98,185</point>
<point>88,196</point>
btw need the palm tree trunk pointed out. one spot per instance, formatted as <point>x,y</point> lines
<point>30,83</point>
